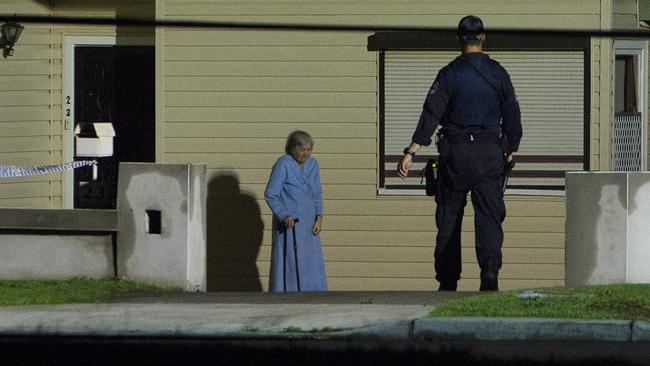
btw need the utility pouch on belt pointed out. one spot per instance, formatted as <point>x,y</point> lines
<point>431,177</point>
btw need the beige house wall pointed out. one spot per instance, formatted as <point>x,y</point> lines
<point>28,132</point>
<point>31,91</point>
<point>625,14</point>
<point>230,97</point>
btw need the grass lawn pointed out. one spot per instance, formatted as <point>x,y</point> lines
<point>76,290</point>
<point>624,301</point>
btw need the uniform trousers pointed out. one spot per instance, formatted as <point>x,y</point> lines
<point>476,167</point>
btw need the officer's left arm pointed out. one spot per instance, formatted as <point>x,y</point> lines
<point>511,116</point>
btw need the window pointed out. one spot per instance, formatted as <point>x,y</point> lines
<point>552,84</point>
<point>628,133</point>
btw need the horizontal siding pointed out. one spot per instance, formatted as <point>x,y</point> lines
<point>263,145</point>
<point>27,132</point>
<point>26,143</point>
<point>24,7</point>
<point>424,206</point>
<point>268,53</point>
<point>625,14</point>
<point>358,114</point>
<point>267,130</point>
<point>354,222</point>
<point>27,128</point>
<point>387,206</point>
<point>230,97</point>
<point>264,69</point>
<point>30,202</point>
<point>377,247</point>
<point>30,158</point>
<point>560,21</point>
<point>625,21</point>
<point>390,254</point>
<point>277,99</point>
<point>393,282</point>
<point>265,160</point>
<point>421,238</point>
<point>227,240</point>
<point>275,84</point>
<point>380,8</point>
<point>239,38</point>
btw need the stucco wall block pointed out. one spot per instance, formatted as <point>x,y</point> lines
<point>606,227</point>
<point>171,252</point>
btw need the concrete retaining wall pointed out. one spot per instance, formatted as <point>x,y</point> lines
<point>161,219</point>
<point>56,243</point>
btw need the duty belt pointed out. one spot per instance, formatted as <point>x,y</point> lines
<point>471,137</point>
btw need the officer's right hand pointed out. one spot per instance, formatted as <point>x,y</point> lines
<point>404,165</point>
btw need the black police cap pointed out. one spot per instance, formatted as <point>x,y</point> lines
<point>470,27</point>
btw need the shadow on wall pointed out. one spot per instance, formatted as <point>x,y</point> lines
<point>234,230</point>
<point>609,266</point>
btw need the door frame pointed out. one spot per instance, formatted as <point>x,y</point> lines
<point>67,103</point>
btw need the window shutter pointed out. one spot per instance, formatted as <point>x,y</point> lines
<point>550,88</point>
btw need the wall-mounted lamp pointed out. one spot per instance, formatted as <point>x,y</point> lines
<point>10,33</point>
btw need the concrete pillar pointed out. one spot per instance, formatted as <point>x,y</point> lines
<point>162,224</point>
<point>607,227</point>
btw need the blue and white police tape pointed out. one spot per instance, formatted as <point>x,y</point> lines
<point>10,171</point>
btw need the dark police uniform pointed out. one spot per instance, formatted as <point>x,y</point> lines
<point>474,113</point>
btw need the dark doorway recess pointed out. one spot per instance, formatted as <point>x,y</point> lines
<point>114,84</point>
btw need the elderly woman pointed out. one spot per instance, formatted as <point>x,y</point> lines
<point>295,196</point>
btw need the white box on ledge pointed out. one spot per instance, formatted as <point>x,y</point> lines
<point>94,139</point>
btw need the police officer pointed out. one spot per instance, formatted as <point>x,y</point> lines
<point>473,99</point>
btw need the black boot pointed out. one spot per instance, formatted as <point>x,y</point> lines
<point>489,280</point>
<point>448,285</point>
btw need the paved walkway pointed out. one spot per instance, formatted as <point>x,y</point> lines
<point>224,314</point>
<point>392,320</point>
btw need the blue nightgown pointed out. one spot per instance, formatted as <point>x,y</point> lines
<point>296,191</point>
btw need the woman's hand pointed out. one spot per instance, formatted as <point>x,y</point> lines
<point>288,221</point>
<point>316,229</point>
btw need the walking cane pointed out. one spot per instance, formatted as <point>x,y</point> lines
<point>284,255</point>
<point>295,252</point>
<point>284,259</point>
